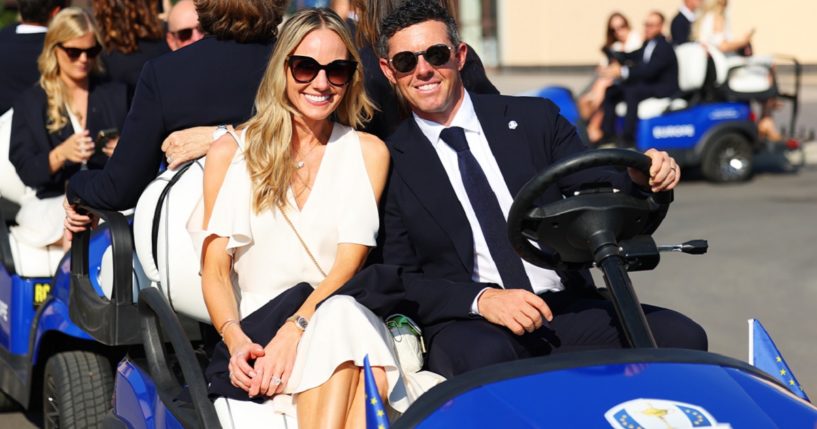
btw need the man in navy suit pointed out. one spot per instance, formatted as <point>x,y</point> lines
<point>20,45</point>
<point>681,26</point>
<point>457,162</point>
<point>212,82</point>
<point>651,71</point>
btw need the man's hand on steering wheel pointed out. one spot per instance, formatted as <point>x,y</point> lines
<point>664,172</point>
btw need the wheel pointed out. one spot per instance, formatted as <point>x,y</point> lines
<point>77,390</point>
<point>728,159</point>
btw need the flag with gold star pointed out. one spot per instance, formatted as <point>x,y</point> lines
<point>765,356</point>
<point>376,417</point>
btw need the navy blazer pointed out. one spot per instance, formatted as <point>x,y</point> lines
<point>680,29</point>
<point>660,73</point>
<point>425,229</point>
<point>31,142</point>
<point>19,54</point>
<point>126,67</point>
<point>210,82</point>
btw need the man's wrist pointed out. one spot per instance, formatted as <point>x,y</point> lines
<point>475,304</point>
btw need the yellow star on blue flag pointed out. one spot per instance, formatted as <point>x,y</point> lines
<point>765,356</point>
<point>376,417</point>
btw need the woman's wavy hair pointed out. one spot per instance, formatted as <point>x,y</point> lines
<point>244,21</point>
<point>610,35</point>
<point>269,148</point>
<point>123,23</point>
<point>69,24</point>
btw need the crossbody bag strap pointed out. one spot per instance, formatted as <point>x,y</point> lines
<point>303,243</point>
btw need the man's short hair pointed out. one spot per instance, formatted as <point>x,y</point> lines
<point>659,15</point>
<point>415,12</point>
<point>244,21</point>
<point>38,11</point>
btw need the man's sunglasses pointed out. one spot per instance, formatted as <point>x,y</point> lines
<point>406,61</point>
<point>75,53</point>
<point>186,33</point>
<point>305,69</point>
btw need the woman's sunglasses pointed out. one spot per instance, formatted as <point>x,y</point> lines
<point>406,61</point>
<point>186,33</point>
<point>305,69</point>
<point>75,53</point>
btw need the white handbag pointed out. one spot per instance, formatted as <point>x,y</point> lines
<point>408,342</point>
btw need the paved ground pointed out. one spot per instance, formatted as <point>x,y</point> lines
<point>761,263</point>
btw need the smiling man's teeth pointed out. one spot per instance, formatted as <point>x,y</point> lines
<point>316,98</point>
<point>427,87</point>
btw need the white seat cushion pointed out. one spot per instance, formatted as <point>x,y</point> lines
<point>750,79</point>
<point>31,261</point>
<point>11,187</point>
<point>177,273</point>
<point>691,66</point>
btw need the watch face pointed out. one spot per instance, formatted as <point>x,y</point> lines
<point>301,322</point>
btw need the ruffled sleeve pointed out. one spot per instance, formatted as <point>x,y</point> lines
<point>231,212</point>
<point>359,220</point>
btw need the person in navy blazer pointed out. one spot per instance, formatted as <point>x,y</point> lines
<point>212,82</point>
<point>20,45</point>
<point>651,71</point>
<point>470,321</point>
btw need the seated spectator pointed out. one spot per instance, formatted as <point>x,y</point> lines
<point>620,39</point>
<point>299,157</point>
<point>713,29</point>
<point>132,33</point>
<point>183,25</point>
<point>56,121</point>
<point>681,27</point>
<point>651,71</point>
<point>20,45</point>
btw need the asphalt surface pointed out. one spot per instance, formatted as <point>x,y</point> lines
<point>761,264</point>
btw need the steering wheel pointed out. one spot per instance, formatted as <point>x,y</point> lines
<point>575,228</point>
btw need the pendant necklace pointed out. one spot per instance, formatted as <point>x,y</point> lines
<point>300,164</point>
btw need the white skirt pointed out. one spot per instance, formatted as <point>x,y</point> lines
<point>40,221</point>
<point>340,331</point>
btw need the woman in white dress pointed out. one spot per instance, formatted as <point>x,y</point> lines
<point>714,30</point>
<point>292,198</point>
<point>620,37</point>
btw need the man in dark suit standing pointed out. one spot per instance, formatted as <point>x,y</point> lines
<point>457,162</point>
<point>681,26</point>
<point>651,71</point>
<point>212,82</point>
<point>20,45</point>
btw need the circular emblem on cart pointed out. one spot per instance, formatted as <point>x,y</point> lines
<point>660,413</point>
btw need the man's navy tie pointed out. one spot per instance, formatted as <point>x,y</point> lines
<point>489,213</point>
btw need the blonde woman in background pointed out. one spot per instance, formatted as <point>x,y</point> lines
<point>289,215</point>
<point>57,121</point>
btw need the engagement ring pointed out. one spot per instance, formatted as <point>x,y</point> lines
<point>275,380</point>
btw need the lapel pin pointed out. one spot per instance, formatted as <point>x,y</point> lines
<point>512,125</point>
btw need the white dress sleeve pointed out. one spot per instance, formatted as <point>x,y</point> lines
<point>359,219</point>
<point>231,212</point>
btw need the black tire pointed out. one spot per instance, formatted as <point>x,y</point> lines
<point>77,390</point>
<point>728,159</point>
<point>7,404</point>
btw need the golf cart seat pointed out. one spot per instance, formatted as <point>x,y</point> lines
<point>744,78</point>
<point>692,61</point>
<point>162,243</point>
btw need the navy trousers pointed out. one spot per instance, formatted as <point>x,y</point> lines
<point>582,321</point>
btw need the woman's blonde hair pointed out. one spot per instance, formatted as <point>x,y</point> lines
<point>69,24</point>
<point>269,149</point>
<point>708,7</point>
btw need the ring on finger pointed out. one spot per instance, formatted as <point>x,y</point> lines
<point>275,380</point>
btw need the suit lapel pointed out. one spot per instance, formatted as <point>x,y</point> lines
<point>508,141</point>
<point>421,169</point>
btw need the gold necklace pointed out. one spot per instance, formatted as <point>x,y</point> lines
<point>299,164</point>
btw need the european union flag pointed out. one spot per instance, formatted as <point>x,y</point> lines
<point>765,356</point>
<point>376,417</point>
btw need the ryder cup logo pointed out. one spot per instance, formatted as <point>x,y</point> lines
<point>660,414</point>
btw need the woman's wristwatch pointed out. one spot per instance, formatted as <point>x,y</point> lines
<point>299,321</point>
